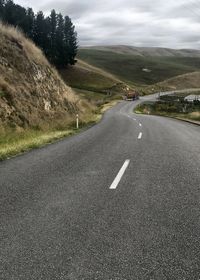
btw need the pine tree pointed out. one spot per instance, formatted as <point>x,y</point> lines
<point>2,4</point>
<point>60,41</point>
<point>30,19</point>
<point>48,38</point>
<point>71,45</point>
<point>55,35</point>
<point>39,33</point>
<point>9,16</point>
<point>20,17</point>
<point>53,26</point>
<point>15,15</point>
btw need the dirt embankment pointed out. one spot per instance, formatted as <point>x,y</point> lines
<point>31,92</point>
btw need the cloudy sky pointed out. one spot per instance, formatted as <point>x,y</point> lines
<point>171,23</point>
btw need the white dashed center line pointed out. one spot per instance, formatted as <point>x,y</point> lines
<point>120,175</point>
<point>140,135</point>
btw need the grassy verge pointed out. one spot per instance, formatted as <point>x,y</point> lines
<point>13,142</point>
<point>183,111</point>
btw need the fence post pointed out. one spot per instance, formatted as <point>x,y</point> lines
<point>77,121</point>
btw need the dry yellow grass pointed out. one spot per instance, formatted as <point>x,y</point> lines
<point>31,90</point>
<point>195,116</point>
<point>32,52</point>
<point>19,38</point>
<point>36,106</point>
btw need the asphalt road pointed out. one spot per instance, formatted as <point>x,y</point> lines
<point>65,214</point>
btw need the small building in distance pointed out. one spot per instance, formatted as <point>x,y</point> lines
<point>192,98</point>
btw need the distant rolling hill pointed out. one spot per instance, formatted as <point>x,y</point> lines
<point>186,81</point>
<point>141,66</point>
<point>147,51</point>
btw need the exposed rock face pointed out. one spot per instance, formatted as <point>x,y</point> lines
<point>31,91</point>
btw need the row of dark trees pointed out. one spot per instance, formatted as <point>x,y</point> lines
<point>54,34</point>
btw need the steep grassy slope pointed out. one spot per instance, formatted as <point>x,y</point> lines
<point>84,76</point>
<point>130,68</point>
<point>87,77</point>
<point>93,84</point>
<point>31,92</point>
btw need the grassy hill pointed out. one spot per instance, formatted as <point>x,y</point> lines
<point>31,92</point>
<point>138,70</point>
<point>36,106</point>
<point>190,80</point>
<point>181,82</point>
<point>148,51</point>
<point>87,77</point>
<point>92,83</point>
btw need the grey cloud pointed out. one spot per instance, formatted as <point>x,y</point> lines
<point>169,23</point>
<point>75,9</point>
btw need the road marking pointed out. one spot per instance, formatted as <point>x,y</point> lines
<point>119,175</point>
<point>140,124</point>
<point>140,135</point>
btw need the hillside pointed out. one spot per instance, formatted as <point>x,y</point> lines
<point>31,92</point>
<point>87,77</point>
<point>147,51</point>
<point>139,70</point>
<point>92,83</point>
<point>190,80</point>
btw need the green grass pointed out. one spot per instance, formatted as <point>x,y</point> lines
<point>128,68</point>
<point>170,107</point>
<point>97,98</point>
<point>12,142</point>
<point>86,80</point>
<point>18,140</point>
<point>92,83</point>
<point>85,77</point>
<point>15,141</point>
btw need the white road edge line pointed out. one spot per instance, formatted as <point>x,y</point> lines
<point>120,175</point>
<point>140,135</point>
<point>140,124</point>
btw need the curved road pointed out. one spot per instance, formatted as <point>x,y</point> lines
<point>120,201</point>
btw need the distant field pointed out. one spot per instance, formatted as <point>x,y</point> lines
<point>129,68</point>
